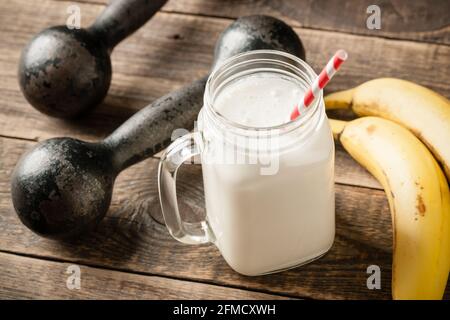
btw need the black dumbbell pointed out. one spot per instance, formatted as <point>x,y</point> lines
<point>63,186</point>
<point>63,72</point>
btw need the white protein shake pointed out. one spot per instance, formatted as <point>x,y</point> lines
<point>262,100</point>
<point>266,223</point>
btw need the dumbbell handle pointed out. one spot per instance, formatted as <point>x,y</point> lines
<point>122,17</point>
<point>149,130</point>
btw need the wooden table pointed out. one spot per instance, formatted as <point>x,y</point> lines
<point>131,255</point>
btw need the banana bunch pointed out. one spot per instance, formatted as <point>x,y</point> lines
<point>417,191</point>
<point>421,110</point>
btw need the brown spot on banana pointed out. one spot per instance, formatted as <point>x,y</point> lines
<point>418,185</point>
<point>370,129</point>
<point>421,208</point>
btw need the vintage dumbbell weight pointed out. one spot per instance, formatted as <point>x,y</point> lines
<point>63,186</point>
<point>63,72</point>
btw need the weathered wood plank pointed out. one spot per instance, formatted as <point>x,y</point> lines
<point>400,19</point>
<point>174,49</point>
<point>421,20</point>
<point>128,239</point>
<point>29,278</point>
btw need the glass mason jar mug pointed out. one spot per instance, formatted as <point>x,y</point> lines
<point>269,191</point>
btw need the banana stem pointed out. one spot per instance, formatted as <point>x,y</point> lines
<point>339,100</point>
<point>337,126</point>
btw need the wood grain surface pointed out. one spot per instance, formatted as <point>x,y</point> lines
<point>130,254</point>
<point>419,20</point>
<point>30,278</point>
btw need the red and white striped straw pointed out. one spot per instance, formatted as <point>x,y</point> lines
<point>320,82</point>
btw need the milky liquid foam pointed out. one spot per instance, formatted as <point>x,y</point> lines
<point>259,100</point>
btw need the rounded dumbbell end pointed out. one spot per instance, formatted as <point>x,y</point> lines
<point>258,32</point>
<point>62,187</point>
<point>63,72</point>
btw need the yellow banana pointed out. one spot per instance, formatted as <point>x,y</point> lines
<point>423,111</point>
<point>419,200</point>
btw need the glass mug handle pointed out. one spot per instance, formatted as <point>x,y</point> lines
<point>182,149</point>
